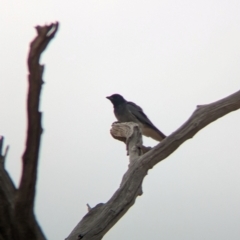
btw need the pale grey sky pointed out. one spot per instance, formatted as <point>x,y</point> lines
<point>167,56</point>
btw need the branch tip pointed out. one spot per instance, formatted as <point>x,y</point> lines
<point>6,152</point>
<point>88,207</point>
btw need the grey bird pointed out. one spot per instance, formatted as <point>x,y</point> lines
<point>130,112</point>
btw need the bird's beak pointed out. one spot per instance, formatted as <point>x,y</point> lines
<point>108,98</point>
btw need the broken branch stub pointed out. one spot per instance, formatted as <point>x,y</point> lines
<point>129,133</point>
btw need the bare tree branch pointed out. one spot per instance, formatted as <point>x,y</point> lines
<point>130,134</point>
<point>7,193</point>
<point>24,203</point>
<point>96,223</point>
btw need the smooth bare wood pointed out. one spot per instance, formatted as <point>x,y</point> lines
<point>96,224</point>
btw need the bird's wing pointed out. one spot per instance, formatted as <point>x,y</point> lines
<point>138,113</point>
<point>142,117</point>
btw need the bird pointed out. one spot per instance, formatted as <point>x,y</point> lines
<point>130,112</point>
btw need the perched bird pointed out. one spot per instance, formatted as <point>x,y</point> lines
<point>130,112</point>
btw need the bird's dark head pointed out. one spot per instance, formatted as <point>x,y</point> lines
<point>116,99</point>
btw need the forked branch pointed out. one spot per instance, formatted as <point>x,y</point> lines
<point>96,223</point>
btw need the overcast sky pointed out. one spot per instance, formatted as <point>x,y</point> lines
<point>167,56</point>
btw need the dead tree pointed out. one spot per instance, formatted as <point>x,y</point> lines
<point>16,205</point>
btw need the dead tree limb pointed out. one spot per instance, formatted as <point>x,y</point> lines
<point>96,223</point>
<point>130,134</point>
<point>7,193</point>
<point>17,220</point>
<point>26,224</point>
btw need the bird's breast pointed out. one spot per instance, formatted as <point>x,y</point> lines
<point>123,114</point>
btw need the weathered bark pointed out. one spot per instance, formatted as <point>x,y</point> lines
<point>130,134</point>
<point>96,223</point>
<point>17,220</point>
